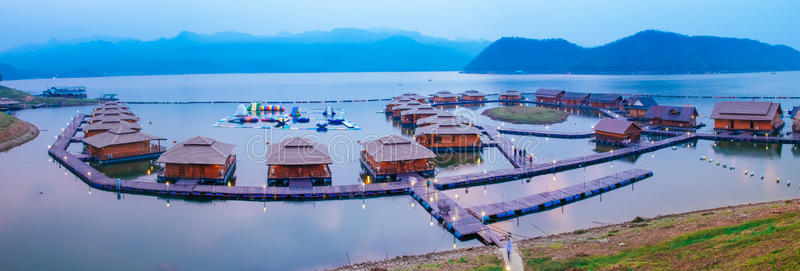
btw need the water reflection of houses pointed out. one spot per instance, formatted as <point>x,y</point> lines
<point>128,170</point>
<point>298,160</point>
<point>388,156</point>
<point>749,149</point>
<point>200,159</point>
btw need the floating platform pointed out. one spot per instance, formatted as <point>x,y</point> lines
<point>551,199</point>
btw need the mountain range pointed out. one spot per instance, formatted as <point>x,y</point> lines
<point>649,51</point>
<point>338,50</point>
<point>384,49</point>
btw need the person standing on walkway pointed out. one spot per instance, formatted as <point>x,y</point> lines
<point>508,248</point>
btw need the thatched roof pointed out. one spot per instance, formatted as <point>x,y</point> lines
<point>396,148</point>
<point>199,151</point>
<point>298,151</point>
<point>118,136</point>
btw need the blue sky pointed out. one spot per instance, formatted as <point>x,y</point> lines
<point>588,23</point>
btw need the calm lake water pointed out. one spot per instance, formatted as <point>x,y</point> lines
<point>51,220</point>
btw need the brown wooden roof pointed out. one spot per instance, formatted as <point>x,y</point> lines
<point>396,148</point>
<point>298,151</point>
<point>449,127</point>
<point>742,110</point>
<point>118,136</point>
<point>198,150</point>
<point>441,116</point>
<point>616,126</point>
<point>110,124</point>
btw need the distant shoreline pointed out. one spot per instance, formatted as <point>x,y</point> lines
<point>432,71</point>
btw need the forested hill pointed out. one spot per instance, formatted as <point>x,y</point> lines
<point>648,51</point>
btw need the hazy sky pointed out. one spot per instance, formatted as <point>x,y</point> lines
<point>587,23</point>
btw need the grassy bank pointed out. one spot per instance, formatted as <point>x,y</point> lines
<point>14,132</point>
<point>759,236</point>
<point>526,114</point>
<point>29,100</point>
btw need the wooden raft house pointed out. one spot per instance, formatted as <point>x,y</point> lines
<point>410,117</point>
<point>388,156</point>
<point>397,102</point>
<point>637,106</point>
<point>549,95</point>
<point>605,100</point>
<point>473,96</point>
<point>747,116</point>
<point>438,118</point>
<point>123,144</point>
<point>616,131</point>
<point>413,96</point>
<point>672,116</point>
<point>113,116</point>
<point>511,96</point>
<point>107,125</point>
<point>201,159</point>
<point>449,135</point>
<point>398,110</point>
<point>298,159</point>
<point>575,98</point>
<point>444,96</point>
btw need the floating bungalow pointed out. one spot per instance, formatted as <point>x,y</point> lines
<point>65,92</point>
<point>575,98</point>
<point>123,144</point>
<point>390,155</point>
<point>398,110</point>
<point>438,118</point>
<point>747,116</point>
<point>473,96</point>
<point>511,95</point>
<point>9,104</point>
<point>549,95</point>
<point>200,159</point>
<point>616,131</point>
<point>444,96</point>
<point>397,102</point>
<point>637,106</point>
<point>449,135</point>
<point>672,116</point>
<point>605,100</point>
<point>413,96</point>
<point>298,160</point>
<point>112,111</point>
<point>113,116</point>
<point>108,125</point>
<point>795,119</point>
<point>410,117</point>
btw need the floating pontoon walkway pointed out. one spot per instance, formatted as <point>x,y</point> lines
<point>502,175</point>
<point>539,133</point>
<point>97,179</point>
<point>451,216</point>
<point>543,201</point>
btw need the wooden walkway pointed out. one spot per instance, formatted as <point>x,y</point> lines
<point>543,201</point>
<point>539,133</point>
<point>451,216</point>
<point>792,139</point>
<point>504,146</point>
<point>503,175</point>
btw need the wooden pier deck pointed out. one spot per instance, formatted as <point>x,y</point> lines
<point>451,216</point>
<point>546,200</point>
<point>539,133</point>
<point>97,179</point>
<point>504,146</point>
<point>503,175</point>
